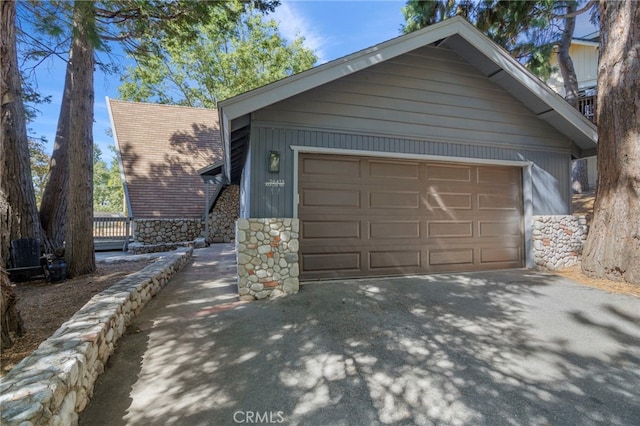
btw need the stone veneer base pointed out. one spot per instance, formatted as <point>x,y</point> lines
<point>558,241</point>
<point>53,384</point>
<point>268,264</point>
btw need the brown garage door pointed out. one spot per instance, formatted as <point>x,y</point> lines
<point>362,216</point>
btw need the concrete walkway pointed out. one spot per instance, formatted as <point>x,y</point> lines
<point>504,347</point>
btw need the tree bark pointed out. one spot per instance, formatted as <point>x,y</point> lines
<point>18,212</point>
<point>53,206</point>
<point>564,59</point>
<point>11,324</point>
<point>16,184</point>
<point>79,249</point>
<point>612,249</point>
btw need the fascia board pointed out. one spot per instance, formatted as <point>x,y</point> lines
<point>125,187</point>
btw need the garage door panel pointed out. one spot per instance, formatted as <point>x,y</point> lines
<point>392,259</point>
<point>449,173</point>
<point>498,228</point>
<point>496,202</point>
<point>498,175</point>
<point>331,229</point>
<point>398,217</point>
<point>443,229</point>
<point>379,229</point>
<point>394,200</point>
<point>449,201</point>
<point>393,170</point>
<point>451,257</point>
<point>331,198</point>
<point>500,254</point>
<point>316,262</point>
<point>326,166</point>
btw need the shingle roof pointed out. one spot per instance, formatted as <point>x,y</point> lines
<point>161,148</point>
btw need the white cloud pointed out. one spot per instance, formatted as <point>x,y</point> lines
<point>293,24</point>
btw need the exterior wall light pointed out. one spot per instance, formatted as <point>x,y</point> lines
<point>274,162</point>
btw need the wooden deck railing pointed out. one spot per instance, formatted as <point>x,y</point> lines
<point>113,232</point>
<point>587,106</point>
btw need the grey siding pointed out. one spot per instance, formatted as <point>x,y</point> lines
<point>428,102</point>
<point>550,172</point>
<point>428,94</point>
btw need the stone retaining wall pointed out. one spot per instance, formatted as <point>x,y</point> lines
<point>178,230</point>
<point>558,241</point>
<point>268,264</point>
<point>155,231</point>
<point>222,219</point>
<point>139,248</point>
<point>53,384</point>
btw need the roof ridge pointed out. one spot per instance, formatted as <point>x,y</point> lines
<point>161,105</point>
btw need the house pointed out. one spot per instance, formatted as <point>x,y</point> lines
<point>431,152</point>
<point>584,53</point>
<point>161,148</point>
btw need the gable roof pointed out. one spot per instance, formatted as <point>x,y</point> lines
<point>161,148</point>
<point>456,34</point>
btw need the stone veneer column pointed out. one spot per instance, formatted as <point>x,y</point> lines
<point>268,263</point>
<point>558,240</point>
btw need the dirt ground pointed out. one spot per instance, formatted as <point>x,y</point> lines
<point>583,204</point>
<point>45,306</point>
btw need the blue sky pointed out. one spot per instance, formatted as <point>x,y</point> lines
<point>331,28</point>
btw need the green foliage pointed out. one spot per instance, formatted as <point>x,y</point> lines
<point>527,29</point>
<point>223,61</point>
<point>39,159</point>
<point>108,192</point>
<point>420,13</point>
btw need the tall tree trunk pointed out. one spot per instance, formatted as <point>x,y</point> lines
<point>613,246</point>
<point>11,324</point>
<point>53,206</point>
<point>564,59</point>
<point>579,174</point>
<point>16,184</point>
<point>79,249</point>
<point>18,213</point>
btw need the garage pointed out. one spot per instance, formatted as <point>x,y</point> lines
<point>433,152</point>
<point>364,216</point>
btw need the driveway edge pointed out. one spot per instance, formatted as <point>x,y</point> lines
<point>53,384</point>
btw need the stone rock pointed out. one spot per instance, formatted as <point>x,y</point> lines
<point>262,294</point>
<point>291,285</point>
<point>277,293</point>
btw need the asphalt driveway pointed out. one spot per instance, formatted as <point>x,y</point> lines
<point>509,347</point>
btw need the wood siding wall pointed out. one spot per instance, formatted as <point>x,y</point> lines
<point>585,62</point>
<point>428,94</point>
<point>428,102</point>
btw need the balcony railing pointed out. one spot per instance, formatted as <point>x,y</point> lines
<point>587,106</point>
<point>112,232</point>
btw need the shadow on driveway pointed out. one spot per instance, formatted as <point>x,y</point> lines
<point>507,347</point>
